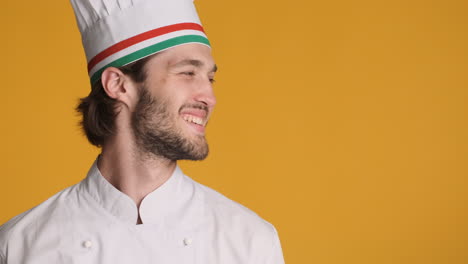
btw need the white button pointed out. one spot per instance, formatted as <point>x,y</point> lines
<point>187,241</point>
<point>87,244</point>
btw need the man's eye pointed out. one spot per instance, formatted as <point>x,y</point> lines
<point>188,73</point>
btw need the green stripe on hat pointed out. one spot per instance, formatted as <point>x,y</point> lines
<point>132,57</point>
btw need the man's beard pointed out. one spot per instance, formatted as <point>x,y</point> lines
<point>156,132</point>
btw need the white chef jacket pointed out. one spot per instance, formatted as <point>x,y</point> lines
<point>184,222</point>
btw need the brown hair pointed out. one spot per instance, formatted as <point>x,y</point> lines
<point>99,110</point>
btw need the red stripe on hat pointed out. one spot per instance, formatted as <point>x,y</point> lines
<point>139,38</point>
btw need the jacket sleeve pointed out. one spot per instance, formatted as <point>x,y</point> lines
<point>276,253</point>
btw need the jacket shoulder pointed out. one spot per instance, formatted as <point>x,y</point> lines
<point>235,216</point>
<point>24,224</point>
<point>239,227</point>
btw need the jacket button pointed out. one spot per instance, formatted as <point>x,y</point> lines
<point>87,244</point>
<point>187,241</point>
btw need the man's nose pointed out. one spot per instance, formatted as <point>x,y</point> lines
<point>205,93</point>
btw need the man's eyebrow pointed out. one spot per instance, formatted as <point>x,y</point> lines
<point>196,63</point>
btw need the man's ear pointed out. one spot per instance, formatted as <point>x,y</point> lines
<point>119,86</point>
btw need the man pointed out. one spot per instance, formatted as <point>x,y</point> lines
<point>151,71</point>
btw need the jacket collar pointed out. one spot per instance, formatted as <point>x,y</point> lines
<point>154,207</point>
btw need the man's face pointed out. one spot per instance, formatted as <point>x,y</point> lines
<point>175,103</point>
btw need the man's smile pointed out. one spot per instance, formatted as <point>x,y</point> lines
<point>196,117</point>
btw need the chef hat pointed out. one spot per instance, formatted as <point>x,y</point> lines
<point>118,32</point>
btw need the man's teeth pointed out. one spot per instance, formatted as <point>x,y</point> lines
<point>194,119</point>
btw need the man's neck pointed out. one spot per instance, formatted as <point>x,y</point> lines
<point>132,173</point>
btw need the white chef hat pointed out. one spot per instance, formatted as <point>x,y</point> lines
<point>118,32</point>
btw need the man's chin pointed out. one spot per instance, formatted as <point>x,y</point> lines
<point>198,153</point>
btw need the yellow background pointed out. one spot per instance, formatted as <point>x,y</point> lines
<point>343,123</point>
